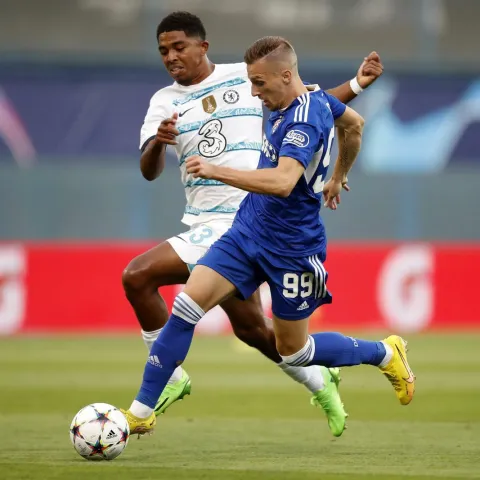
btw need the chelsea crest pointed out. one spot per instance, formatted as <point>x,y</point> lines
<point>231,96</point>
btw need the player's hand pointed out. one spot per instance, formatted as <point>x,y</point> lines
<point>199,168</point>
<point>331,193</point>
<point>370,69</point>
<point>167,131</point>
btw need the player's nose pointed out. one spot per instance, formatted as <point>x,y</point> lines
<point>171,57</point>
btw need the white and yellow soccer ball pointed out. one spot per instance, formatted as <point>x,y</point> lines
<point>99,432</point>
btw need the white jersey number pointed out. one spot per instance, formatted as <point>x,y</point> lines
<point>214,143</point>
<point>291,283</point>
<point>320,181</point>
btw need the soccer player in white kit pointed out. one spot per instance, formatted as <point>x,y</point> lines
<point>209,111</point>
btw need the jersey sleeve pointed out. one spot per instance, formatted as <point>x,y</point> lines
<point>300,142</point>
<point>157,112</point>
<point>336,106</point>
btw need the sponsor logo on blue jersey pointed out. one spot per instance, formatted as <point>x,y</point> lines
<point>297,137</point>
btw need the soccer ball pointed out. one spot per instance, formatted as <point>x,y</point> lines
<point>99,432</point>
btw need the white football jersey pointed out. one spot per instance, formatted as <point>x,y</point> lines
<point>219,120</point>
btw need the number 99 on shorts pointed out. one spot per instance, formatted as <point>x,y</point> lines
<point>295,285</point>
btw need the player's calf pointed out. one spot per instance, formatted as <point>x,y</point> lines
<point>333,349</point>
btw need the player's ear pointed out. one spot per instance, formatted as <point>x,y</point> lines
<point>287,77</point>
<point>205,45</point>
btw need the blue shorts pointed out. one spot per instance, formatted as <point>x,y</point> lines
<point>297,284</point>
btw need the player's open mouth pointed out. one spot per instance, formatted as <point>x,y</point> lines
<point>176,69</point>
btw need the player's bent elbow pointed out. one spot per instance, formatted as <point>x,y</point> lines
<point>151,171</point>
<point>361,123</point>
<point>357,126</point>
<point>284,190</point>
<point>149,176</point>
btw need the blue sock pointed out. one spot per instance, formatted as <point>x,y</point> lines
<point>332,349</point>
<point>170,349</point>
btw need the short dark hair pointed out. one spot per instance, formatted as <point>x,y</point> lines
<point>265,46</point>
<point>184,22</point>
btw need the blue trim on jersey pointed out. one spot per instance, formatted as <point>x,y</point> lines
<point>230,148</point>
<point>220,209</point>
<point>232,112</point>
<point>204,183</point>
<point>205,91</point>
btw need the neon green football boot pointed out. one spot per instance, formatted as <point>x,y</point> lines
<point>173,392</point>
<point>329,399</point>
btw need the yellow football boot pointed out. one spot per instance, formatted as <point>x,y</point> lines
<point>398,371</point>
<point>140,426</point>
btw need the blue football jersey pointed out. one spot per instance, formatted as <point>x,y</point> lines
<point>303,131</point>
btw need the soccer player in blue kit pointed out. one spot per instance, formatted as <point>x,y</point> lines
<point>277,236</point>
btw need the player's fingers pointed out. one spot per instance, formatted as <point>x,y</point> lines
<point>174,131</point>
<point>164,132</point>
<point>328,202</point>
<point>166,141</point>
<point>331,204</point>
<point>338,199</point>
<point>346,187</point>
<point>175,117</point>
<point>166,122</point>
<point>373,56</point>
<point>168,129</point>
<point>372,70</point>
<point>373,64</point>
<point>166,135</point>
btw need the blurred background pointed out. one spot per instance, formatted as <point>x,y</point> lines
<point>76,77</point>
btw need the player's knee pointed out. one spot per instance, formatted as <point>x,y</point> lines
<point>136,277</point>
<point>252,335</point>
<point>287,346</point>
<point>249,325</point>
<point>294,353</point>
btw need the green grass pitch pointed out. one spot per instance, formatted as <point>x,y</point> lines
<point>245,419</point>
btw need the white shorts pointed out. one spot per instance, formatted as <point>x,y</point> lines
<point>192,245</point>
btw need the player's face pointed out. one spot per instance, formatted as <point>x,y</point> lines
<point>182,55</point>
<point>267,83</point>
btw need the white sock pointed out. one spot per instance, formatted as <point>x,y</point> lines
<point>149,339</point>
<point>310,376</point>
<point>140,410</point>
<point>388,355</point>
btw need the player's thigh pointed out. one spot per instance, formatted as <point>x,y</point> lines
<point>207,288</point>
<point>192,245</point>
<point>226,269</point>
<point>171,261</point>
<point>161,265</point>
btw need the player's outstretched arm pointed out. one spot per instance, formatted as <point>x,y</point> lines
<point>152,161</point>
<point>278,181</point>
<point>370,70</point>
<point>349,131</point>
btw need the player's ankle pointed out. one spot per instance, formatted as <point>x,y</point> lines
<point>140,410</point>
